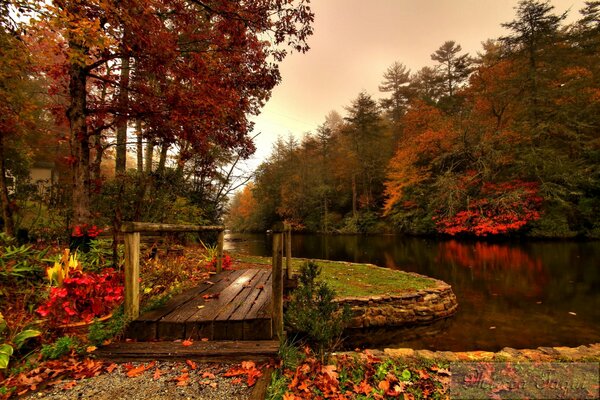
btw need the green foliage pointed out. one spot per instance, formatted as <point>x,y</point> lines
<point>21,263</point>
<point>313,313</point>
<point>63,345</point>
<point>278,385</point>
<point>99,331</point>
<point>6,351</point>
<point>16,341</point>
<point>100,255</point>
<point>290,355</point>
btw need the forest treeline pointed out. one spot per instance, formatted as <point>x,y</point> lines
<point>504,142</point>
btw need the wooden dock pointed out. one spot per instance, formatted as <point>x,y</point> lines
<point>232,305</point>
<point>233,316</point>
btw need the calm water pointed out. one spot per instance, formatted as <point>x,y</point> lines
<point>519,295</point>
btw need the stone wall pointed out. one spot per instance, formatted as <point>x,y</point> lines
<point>411,308</point>
<point>541,354</point>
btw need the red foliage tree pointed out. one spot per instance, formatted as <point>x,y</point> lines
<point>502,208</point>
<point>200,68</point>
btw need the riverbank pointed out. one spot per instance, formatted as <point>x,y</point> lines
<point>558,372</point>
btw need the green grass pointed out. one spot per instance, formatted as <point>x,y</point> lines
<point>350,279</point>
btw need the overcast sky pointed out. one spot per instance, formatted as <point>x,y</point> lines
<point>355,41</point>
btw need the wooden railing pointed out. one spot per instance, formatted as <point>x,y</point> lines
<point>131,231</point>
<point>282,243</point>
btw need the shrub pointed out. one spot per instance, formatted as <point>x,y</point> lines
<point>83,296</point>
<point>313,313</point>
<point>61,347</point>
<point>100,331</point>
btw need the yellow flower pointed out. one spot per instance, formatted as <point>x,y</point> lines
<point>54,273</point>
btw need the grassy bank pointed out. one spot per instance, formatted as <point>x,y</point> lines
<point>351,279</point>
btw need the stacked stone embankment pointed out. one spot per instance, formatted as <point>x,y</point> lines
<point>418,307</point>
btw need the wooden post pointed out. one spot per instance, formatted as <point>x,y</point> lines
<point>276,262</point>
<point>132,275</point>
<point>220,241</point>
<point>132,256</point>
<point>288,252</point>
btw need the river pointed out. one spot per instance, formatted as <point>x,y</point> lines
<point>520,295</point>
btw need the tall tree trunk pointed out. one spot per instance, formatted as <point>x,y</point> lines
<point>80,146</point>
<point>354,210</point>
<point>95,170</point>
<point>123,101</point>
<point>149,156</point>
<point>162,161</point>
<point>139,146</point>
<point>7,215</point>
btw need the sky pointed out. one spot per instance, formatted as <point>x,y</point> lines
<point>355,41</point>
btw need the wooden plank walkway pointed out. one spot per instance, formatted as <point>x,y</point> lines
<point>233,305</point>
<point>219,351</point>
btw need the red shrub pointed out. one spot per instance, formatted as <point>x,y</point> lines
<point>83,296</point>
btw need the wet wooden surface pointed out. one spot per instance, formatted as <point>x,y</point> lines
<point>232,305</point>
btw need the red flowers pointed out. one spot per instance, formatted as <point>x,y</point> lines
<point>86,230</point>
<point>83,296</point>
<point>226,263</point>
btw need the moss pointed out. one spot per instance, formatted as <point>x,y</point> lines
<point>350,279</point>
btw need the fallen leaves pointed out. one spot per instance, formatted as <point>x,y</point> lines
<point>133,372</point>
<point>183,379</point>
<point>211,296</point>
<point>63,373</point>
<point>247,368</point>
<point>364,376</point>
<point>187,343</point>
<point>191,364</point>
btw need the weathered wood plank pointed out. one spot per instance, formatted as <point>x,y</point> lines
<point>242,311</point>
<point>261,292</point>
<point>229,324</point>
<point>220,242</point>
<point>145,327</point>
<point>223,328</point>
<point>181,299</point>
<point>288,252</point>
<point>173,325</point>
<point>132,275</point>
<point>258,329</point>
<point>277,302</point>
<point>246,290</point>
<point>128,227</point>
<point>259,392</point>
<point>211,351</point>
<point>214,306</point>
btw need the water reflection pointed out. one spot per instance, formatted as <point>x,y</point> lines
<point>510,294</point>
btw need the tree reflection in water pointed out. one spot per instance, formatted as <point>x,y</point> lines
<point>511,294</point>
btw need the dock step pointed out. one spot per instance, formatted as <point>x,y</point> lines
<point>207,351</point>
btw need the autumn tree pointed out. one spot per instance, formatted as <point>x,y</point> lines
<point>534,28</point>
<point>201,68</point>
<point>396,82</point>
<point>366,136</point>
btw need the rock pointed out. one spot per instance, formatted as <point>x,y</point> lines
<point>399,353</point>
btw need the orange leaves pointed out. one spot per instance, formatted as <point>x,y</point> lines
<point>362,388</point>
<point>183,379</point>
<point>191,364</point>
<point>133,372</point>
<point>61,373</point>
<point>187,343</point>
<point>247,368</point>
<point>364,376</point>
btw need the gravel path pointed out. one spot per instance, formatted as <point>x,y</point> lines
<point>203,382</point>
